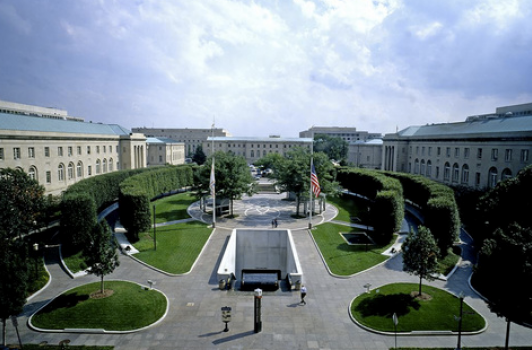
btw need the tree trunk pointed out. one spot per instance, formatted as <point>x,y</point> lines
<point>4,331</point>
<point>420,280</point>
<point>103,289</point>
<point>231,207</point>
<point>507,333</point>
<point>297,206</point>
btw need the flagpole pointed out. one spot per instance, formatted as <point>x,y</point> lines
<point>310,186</point>
<point>213,184</point>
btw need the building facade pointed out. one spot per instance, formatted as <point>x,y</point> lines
<point>165,151</point>
<point>365,154</point>
<point>192,138</point>
<point>254,148</point>
<point>477,153</point>
<point>60,151</point>
<point>349,134</point>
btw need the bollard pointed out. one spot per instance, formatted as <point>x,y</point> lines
<point>257,318</point>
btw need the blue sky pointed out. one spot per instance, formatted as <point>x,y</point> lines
<point>267,67</point>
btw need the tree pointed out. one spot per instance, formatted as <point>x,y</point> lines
<point>269,161</point>
<point>233,178</point>
<point>333,146</point>
<point>100,252</point>
<point>76,225</point>
<point>420,255</point>
<point>199,156</point>
<point>21,203</point>
<point>505,260</point>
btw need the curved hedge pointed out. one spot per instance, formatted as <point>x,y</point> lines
<point>136,192</point>
<point>438,206</point>
<point>81,201</point>
<point>386,194</point>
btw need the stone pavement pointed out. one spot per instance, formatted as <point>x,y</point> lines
<point>194,318</point>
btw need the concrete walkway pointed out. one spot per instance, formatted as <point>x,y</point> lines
<point>194,319</point>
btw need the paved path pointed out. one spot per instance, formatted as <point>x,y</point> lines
<point>194,318</point>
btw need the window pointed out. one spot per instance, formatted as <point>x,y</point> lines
<point>494,154</point>
<point>1,154</point>
<point>423,151</point>
<point>32,173</point>
<point>89,170</point>
<point>59,151</point>
<point>465,174</point>
<point>70,151</point>
<point>446,172</point>
<point>16,153</point>
<point>422,167</point>
<point>104,149</point>
<point>456,172</point>
<point>47,151</point>
<point>111,164</point>
<point>448,151</point>
<point>79,150</point>
<point>31,152</point>
<point>416,167</point>
<point>79,169</point>
<point>98,166</point>
<point>524,155</point>
<point>48,177</point>
<point>70,171</point>
<point>466,153</point>
<point>508,155</point>
<point>479,153</point>
<point>506,174</point>
<point>492,178</point>
<point>97,149</point>
<point>61,172</point>
<point>430,151</point>
<point>438,151</point>
<point>88,149</point>
<point>477,179</point>
<point>104,166</point>
<point>429,168</point>
<point>456,152</point>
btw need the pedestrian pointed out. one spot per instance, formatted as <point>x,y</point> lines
<point>275,221</point>
<point>303,291</point>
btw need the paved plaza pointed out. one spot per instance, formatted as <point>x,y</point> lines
<point>194,317</point>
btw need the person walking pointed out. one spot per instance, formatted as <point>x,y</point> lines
<point>303,291</point>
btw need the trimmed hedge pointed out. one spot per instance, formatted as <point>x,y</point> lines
<point>438,207</point>
<point>385,193</point>
<point>136,192</point>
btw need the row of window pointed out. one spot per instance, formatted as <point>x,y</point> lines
<point>72,171</point>
<point>458,174</point>
<point>457,151</point>
<point>17,151</point>
<point>235,145</point>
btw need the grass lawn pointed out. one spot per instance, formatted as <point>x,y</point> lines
<point>437,313</point>
<point>344,259</point>
<point>178,246</point>
<point>172,207</point>
<point>73,258</point>
<point>129,307</point>
<point>349,206</point>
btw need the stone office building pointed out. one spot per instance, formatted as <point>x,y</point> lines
<point>478,152</point>
<point>58,150</point>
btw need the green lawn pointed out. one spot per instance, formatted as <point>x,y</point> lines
<point>375,310</point>
<point>344,259</point>
<point>173,207</point>
<point>349,206</point>
<point>129,307</point>
<point>178,246</point>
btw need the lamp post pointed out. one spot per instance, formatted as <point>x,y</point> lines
<point>395,322</point>
<point>36,250</point>
<point>226,317</point>
<point>154,230</point>
<point>459,344</point>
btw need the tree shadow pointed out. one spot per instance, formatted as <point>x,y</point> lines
<point>387,305</point>
<point>64,302</point>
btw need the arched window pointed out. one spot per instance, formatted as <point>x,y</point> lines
<point>252,154</point>
<point>111,164</point>
<point>456,172</point>
<point>465,174</point>
<point>104,165</point>
<point>32,173</point>
<point>492,177</point>
<point>446,172</point>
<point>506,174</point>
<point>61,172</point>
<point>79,169</point>
<point>422,167</point>
<point>429,168</point>
<point>98,166</point>
<point>416,166</point>
<point>70,171</point>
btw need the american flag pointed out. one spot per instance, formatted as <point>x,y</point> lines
<point>314,182</point>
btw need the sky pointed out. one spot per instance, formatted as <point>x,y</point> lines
<point>267,67</point>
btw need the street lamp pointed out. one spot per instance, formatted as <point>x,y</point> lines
<point>226,317</point>
<point>36,250</point>
<point>459,344</point>
<point>154,230</point>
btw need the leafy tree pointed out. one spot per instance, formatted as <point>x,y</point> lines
<point>232,175</point>
<point>269,161</point>
<point>21,203</point>
<point>13,281</point>
<point>199,156</point>
<point>505,260</point>
<point>333,146</point>
<point>420,253</point>
<point>100,252</point>
<point>292,173</point>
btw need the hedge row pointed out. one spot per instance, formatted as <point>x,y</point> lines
<point>137,191</point>
<point>386,194</point>
<point>438,206</point>
<point>81,201</point>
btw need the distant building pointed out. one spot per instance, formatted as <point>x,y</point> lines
<point>477,153</point>
<point>254,148</point>
<point>165,151</point>
<point>365,154</point>
<point>348,134</point>
<point>192,138</point>
<point>58,150</point>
